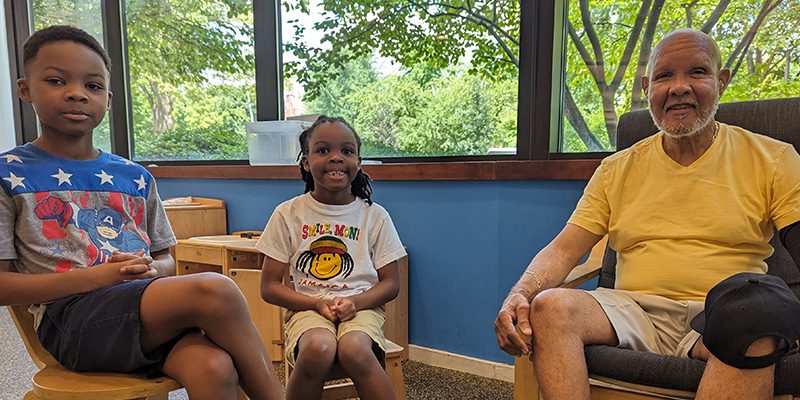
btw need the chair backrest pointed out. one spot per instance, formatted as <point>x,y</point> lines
<point>23,320</point>
<point>777,118</point>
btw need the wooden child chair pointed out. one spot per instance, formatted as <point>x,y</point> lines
<point>53,381</point>
<point>396,328</point>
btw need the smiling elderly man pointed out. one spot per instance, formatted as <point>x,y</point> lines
<point>684,209</point>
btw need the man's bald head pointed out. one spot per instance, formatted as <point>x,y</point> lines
<point>710,45</point>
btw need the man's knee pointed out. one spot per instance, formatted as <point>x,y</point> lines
<point>554,307</point>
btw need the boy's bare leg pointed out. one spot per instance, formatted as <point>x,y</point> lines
<point>356,357</point>
<point>563,322</point>
<point>213,303</point>
<point>203,368</point>
<point>313,363</point>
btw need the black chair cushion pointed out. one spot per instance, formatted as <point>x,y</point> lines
<point>672,372</point>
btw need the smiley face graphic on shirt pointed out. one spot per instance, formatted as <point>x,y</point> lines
<point>326,258</point>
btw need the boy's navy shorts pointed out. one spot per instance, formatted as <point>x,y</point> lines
<point>100,330</point>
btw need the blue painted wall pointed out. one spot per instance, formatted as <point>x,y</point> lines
<point>468,243</point>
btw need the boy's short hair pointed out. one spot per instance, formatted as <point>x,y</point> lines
<point>58,33</point>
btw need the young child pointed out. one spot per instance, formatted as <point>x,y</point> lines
<point>341,250</point>
<point>85,239</point>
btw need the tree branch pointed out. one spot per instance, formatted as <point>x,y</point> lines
<point>632,40</point>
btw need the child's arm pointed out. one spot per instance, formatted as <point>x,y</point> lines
<point>384,291</point>
<point>274,292</point>
<point>18,288</point>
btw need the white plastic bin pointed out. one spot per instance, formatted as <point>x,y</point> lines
<point>274,142</point>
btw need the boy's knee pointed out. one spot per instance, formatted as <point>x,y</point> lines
<point>216,293</point>
<point>215,368</point>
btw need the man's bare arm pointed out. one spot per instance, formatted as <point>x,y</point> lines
<point>547,269</point>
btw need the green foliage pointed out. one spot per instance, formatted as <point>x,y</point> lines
<point>422,112</point>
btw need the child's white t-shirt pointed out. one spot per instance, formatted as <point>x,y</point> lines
<point>332,250</point>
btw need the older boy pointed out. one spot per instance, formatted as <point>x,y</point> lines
<point>85,240</point>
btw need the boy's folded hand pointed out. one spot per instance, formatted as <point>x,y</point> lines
<point>344,308</point>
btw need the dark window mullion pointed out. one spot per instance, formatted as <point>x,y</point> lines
<point>542,21</point>
<point>269,83</point>
<point>120,114</point>
<point>20,18</point>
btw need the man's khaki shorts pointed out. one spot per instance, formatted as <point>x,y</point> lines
<point>647,322</point>
<point>367,321</point>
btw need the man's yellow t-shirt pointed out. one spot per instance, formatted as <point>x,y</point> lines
<point>677,230</point>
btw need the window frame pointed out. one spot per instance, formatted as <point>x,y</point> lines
<point>540,81</point>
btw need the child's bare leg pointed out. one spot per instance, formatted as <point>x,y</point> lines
<point>213,303</point>
<point>356,357</point>
<point>203,368</point>
<point>313,363</point>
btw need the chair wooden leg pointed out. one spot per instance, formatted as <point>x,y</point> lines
<point>526,386</point>
<point>162,396</point>
<point>394,368</point>
<point>30,396</point>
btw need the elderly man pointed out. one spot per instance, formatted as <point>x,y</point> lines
<point>684,209</point>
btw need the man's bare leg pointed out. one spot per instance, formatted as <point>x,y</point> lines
<point>564,321</point>
<point>723,382</point>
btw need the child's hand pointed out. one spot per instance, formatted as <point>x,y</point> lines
<point>344,308</point>
<point>325,308</point>
<point>123,267</point>
<point>141,266</point>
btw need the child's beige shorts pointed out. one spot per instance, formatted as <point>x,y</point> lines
<point>367,321</point>
<point>647,322</point>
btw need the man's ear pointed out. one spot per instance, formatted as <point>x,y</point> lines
<point>645,84</point>
<point>110,95</point>
<point>724,79</point>
<point>24,90</point>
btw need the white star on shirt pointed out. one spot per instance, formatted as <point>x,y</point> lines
<point>104,177</point>
<point>107,246</point>
<point>128,162</point>
<point>15,180</point>
<point>142,184</point>
<point>10,157</point>
<point>62,177</point>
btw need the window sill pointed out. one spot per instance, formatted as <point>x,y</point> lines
<point>450,171</point>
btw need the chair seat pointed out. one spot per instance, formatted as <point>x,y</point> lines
<point>57,382</point>
<point>674,373</point>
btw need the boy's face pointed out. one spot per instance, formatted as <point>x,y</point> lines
<point>67,85</point>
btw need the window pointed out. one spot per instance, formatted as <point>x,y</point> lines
<point>192,78</point>
<point>415,78</point>
<point>419,80</point>
<point>608,44</point>
<point>86,15</point>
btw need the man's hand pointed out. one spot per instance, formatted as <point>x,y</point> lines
<point>514,311</point>
<point>326,309</point>
<point>344,308</point>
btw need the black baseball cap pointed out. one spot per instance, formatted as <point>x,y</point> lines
<point>746,307</point>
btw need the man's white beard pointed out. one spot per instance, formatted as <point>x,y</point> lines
<point>691,130</point>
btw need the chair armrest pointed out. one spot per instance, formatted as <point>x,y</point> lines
<point>589,269</point>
